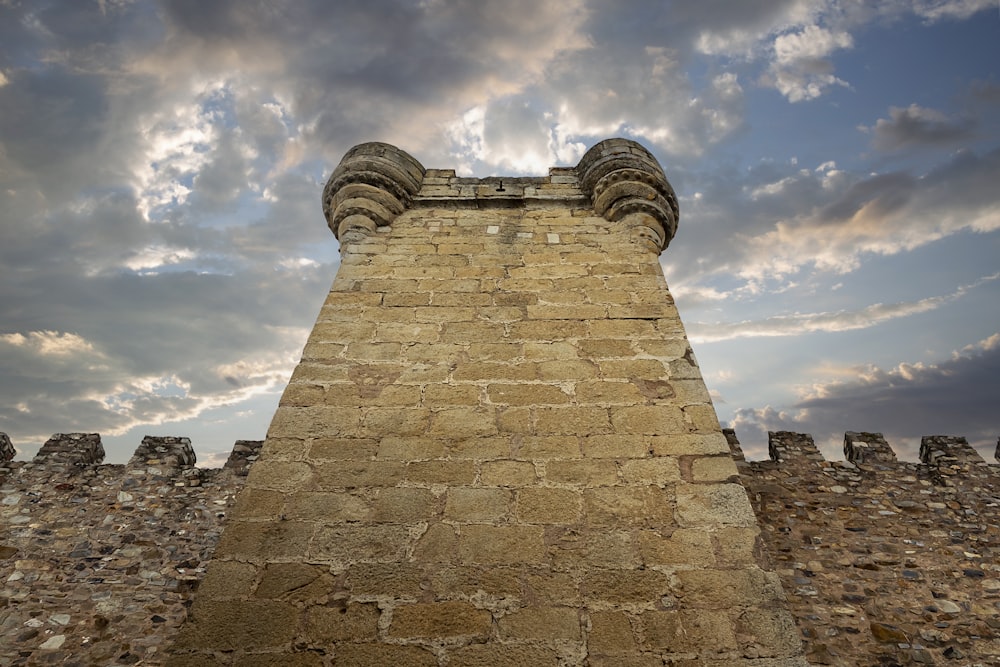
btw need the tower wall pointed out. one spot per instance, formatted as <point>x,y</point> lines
<point>497,448</point>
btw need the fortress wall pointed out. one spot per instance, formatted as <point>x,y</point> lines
<point>884,562</point>
<point>498,448</point>
<point>98,563</point>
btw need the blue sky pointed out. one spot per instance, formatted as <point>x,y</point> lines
<point>163,253</point>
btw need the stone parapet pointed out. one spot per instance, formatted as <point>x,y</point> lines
<point>7,451</point>
<point>786,445</point>
<point>884,562</point>
<point>244,453</point>
<point>99,562</point>
<point>868,449</point>
<point>166,453</point>
<point>72,449</point>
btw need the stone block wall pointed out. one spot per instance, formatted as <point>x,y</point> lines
<point>884,562</point>
<point>498,448</point>
<point>98,563</point>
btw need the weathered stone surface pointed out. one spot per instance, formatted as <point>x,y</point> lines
<point>498,448</point>
<point>99,562</point>
<point>876,554</point>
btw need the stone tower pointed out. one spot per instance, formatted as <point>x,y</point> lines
<point>498,448</point>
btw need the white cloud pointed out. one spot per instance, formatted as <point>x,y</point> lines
<point>801,69</point>
<point>155,256</point>
<point>935,10</point>
<point>178,143</point>
<point>811,43</point>
<point>803,323</point>
<point>828,221</point>
<point>52,343</point>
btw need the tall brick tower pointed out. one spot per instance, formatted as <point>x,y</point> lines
<point>498,448</point>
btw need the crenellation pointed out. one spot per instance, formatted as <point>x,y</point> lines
<point>71,449</point>
<point>7,451</point>
<point>883,561</point>
<point>163,453</point>
<point>243,455</point>
<point>789,446</point>
<point>949,452</point>
<point>100,561</point>
<point>868,449</point>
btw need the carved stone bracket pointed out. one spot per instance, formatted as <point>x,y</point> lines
<point>372,185</point>
<point>626,184</point>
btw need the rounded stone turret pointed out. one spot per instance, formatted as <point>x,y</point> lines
<point>373,184</point>
<point>626,184</point>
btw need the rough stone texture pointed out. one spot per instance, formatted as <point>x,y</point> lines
<point>884,562</point>
<point>497,448</point>
<point>99,562</point>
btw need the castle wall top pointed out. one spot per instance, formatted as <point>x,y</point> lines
<point>619,178</point>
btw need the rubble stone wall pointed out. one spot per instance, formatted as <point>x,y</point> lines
<point>884,562</point>
<point>98,563</point>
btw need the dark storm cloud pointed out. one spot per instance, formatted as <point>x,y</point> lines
<point>956,396</point>
<point>356,69</point>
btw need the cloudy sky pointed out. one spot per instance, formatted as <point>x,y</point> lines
<point>163,253</point>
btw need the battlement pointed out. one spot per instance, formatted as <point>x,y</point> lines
<point>102,559</point>
<point>75,450</point>
<point>867,449</point>
<point>884,561</point>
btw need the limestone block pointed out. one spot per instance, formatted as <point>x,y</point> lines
<point>499,655</point>
<point>405,505</point>
<point>236,624</point>
<point>328,507</point>
<point>486,544</point>
<point>719,589</point>
<point>713,505</point>
<point>713,469</point>
<point>397,580</point>
<point>440,620</point>
<point>624,586</point>
<point>614,446</point>
<point>350,622</point>
<point>676,547</point>
<point>508,473</point>
<point>630,506</point>
<point>548,623</point>
<point>549,505</point>
<point>477,504</point>
<point>257,541</point>
<point>582,473</point>
<point>690,631</point>
<point>226,579</point>
<point>384,654</point>
<point>348,543</point>
<point>610,633</point>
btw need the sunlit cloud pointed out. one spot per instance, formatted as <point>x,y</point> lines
<point>807,323</point>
